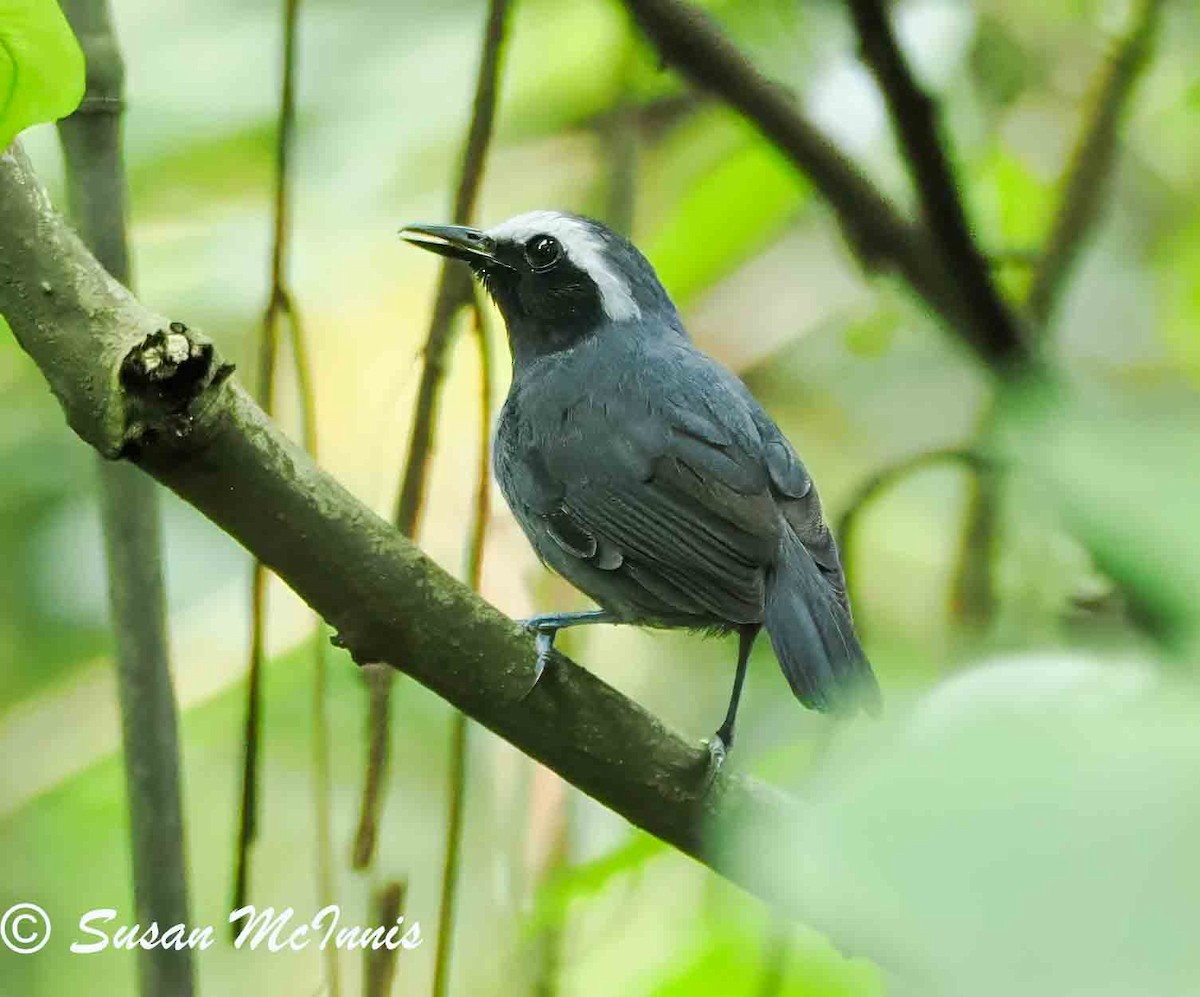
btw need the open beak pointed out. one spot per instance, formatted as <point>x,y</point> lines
<point>456,241</point>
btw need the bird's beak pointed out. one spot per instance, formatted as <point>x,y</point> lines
<point>456,241</point>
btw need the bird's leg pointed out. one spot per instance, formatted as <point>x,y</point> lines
<point>720,744</point>
<point>547,625</point>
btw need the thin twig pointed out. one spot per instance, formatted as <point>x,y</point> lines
<point>129,508</point>
<point>881,237</point>
<point>972,588</point>
<point>460,728</point>
<point>973,597</point>
<point>775,954</point>
<point>281,308</point>
<point>621,140</point>
<point>451,861</point>
<point>881,481</point>
<point>453,294</point>
<point>326,877</point>
<point>548,944</point>
<point>994,328</point>
<point>454,287</point>
<point>482,508</point>
<point>252,723</point>
<point>1091,165</point>
<point>379,969</point>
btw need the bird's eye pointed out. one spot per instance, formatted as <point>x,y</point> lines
<point>543,251</point>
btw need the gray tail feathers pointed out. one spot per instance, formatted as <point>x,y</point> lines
<point>813,636</point>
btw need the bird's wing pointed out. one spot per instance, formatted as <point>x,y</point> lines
<point>798,499</point>
<point>670,486</point>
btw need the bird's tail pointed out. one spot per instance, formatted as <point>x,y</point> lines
<point>813,636</point>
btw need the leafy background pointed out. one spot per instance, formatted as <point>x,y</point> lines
<point>969,842</point>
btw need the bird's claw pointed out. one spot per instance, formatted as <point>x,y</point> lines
<point>718,751</point>
<point>544,643</point>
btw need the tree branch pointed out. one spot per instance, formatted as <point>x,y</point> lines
<point>1087,176</point>
<point>995,331</point>
<point>452,295</point>
<point>687,38</point>
<point>129,508</point>
<point>158,393</point>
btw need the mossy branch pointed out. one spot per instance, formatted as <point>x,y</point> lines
<point>197,431</point>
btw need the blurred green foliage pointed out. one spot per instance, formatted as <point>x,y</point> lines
<point>1039,821</point>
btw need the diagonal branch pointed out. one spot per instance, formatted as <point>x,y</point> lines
<point>881,237</point>
<point>994,329</point>
<point>1086,180</point>
<point>134,385</point>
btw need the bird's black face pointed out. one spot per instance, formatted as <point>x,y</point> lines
<point>548,301</point>
<point>557,279</point>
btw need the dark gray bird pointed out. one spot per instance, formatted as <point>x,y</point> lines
<point>643,471</point>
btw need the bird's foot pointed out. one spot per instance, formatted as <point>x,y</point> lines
<point>546,626</point>
<point>719,746</point>
<point>544,629</point>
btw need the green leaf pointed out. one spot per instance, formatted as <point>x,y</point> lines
<point>1179,296</point>
<point>738,966</point>
<point>1014,206</point>
<point>871,336</point>
<point>41,66</point>
<point>1125,474</point>
<point>588,880</point>
<point>724,217</point>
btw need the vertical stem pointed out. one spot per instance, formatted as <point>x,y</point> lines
<point>379,971</point>
<point>281,308</point>
<point>91,141</point>
<point>775,952</point>
<point>621,140</point>
<point>972,578</point>
<point>252,724</point>
<point>322,776</point>
<point>1090,170</point>
<point>460,729</point>
<point>453,294</point>
<point>149,724</point>
<point>549,942</point>
<point>459,734</point>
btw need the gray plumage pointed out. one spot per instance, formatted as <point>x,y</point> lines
<point>643,471</point>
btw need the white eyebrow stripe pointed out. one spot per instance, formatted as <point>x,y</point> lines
<point>584,248</point>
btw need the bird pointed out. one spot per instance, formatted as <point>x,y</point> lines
<point>644,472</point>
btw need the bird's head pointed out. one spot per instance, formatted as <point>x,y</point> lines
<point>557,279</point>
